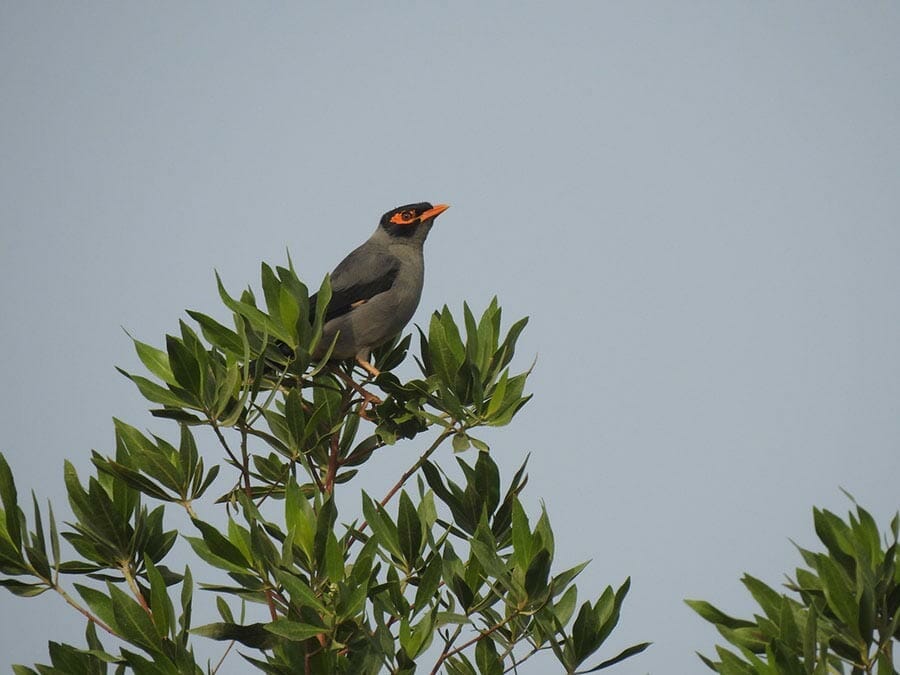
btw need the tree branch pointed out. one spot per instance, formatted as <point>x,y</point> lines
<point>453,652</point>
<point>90,617</point>
<point>444,435</point>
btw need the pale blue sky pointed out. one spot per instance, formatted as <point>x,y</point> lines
<point>696,203</point>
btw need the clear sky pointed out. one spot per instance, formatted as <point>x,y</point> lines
<point>696,203</point>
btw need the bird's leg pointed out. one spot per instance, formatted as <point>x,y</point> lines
<point>362,359</point>
<point>368,367</point>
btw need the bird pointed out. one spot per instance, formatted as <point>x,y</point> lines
<point>376,289</point>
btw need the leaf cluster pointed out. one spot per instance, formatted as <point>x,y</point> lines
<point>444,570</point>
<point>842,614</point>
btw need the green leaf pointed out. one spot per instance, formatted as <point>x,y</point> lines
<point>536,585</point>
<point>300,518</point>
<point>334,559</point>
<point>487,659</point>
<point>717,616</point>
<point>37,553</point>
<point>409,530</point>
<point>585,632</point>
<point>187,598</point>
<point>769,599</point>
<point>100,604</point>
<point>621,656</point>
<point>295,418</point>
<point>155,360</point>
<point>565,606</point>
<point>220,545</point>
<point>163,612</point>
<point>217,334</point>
<point>258,319</point>
<point>440,352</point>
<point>134,623</point>
<point>293,630</point>
<point>460,442</point>
<point>10,504</point>
<point>521,536</point>
<point>22,589</point>
<point>185,366</point>
<point>224,610</point>
<point>838,593</point>
<point>253,635</point>
<point>429,582</point>
<point>160,665</point>
<point>157,394</point>
<point>132,478</point>
<point>382,526</point>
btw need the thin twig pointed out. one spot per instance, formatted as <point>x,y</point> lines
<point>367,396</point>
<point>90,617</point>
<point>246,465</point>
<point>444,435</point>
<point>222,660</point>
<point>332,463</point>
<point>471,642</point>
<point>449,640</point>
<point>224,444</point>
<point>518,663</point>
<point>125,568</point>
<point>405,477</point>
<point>271,603</point>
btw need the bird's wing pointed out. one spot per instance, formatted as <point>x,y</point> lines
<point>360,277</point>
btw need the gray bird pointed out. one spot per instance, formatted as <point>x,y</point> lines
<point>376,289</point>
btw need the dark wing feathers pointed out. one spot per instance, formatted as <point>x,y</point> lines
<point>360,277</point>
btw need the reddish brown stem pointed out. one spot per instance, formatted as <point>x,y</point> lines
<point>447,654</point>
<point>332,464</point>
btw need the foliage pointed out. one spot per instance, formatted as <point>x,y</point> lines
<point>441,563</point>
<point>843,613</point>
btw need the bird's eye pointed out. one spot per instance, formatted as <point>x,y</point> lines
<point>404,217</point>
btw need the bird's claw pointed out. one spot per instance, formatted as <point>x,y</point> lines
<point>368,367</point>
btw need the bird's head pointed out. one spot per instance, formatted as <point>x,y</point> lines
<point>411,219</point>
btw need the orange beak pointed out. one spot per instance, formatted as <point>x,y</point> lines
<point>434,212</point>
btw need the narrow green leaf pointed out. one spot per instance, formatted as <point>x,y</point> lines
<point>222,337</point>
<point>157,394</point>
<point>160,604</point>
<point>258,319</point>
<point>133,621</point>
<point>717,616</point>
<point>185,366</point>
<point>23,589</point>
<point>486,657</point>
<point>254,635</point>
<point>521,536</point>
<point>10,503</point>
<point>300,593</point>
<point>621,656</point>
<point>382,526</point>
<point>219,546</point>
<point>409,529</point>
<point>838,593</point>
<point>100,604</point>
<point>293,630</point>
<point>155,360</point>
<point>428,584</point>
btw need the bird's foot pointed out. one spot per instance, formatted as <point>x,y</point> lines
<point>368,367</point>
<point>369,399</point>
<point>368,403</point>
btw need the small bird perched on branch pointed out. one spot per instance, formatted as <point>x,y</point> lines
<point>376,289</point>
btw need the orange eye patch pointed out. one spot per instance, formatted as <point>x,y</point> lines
<point>404,217</point>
